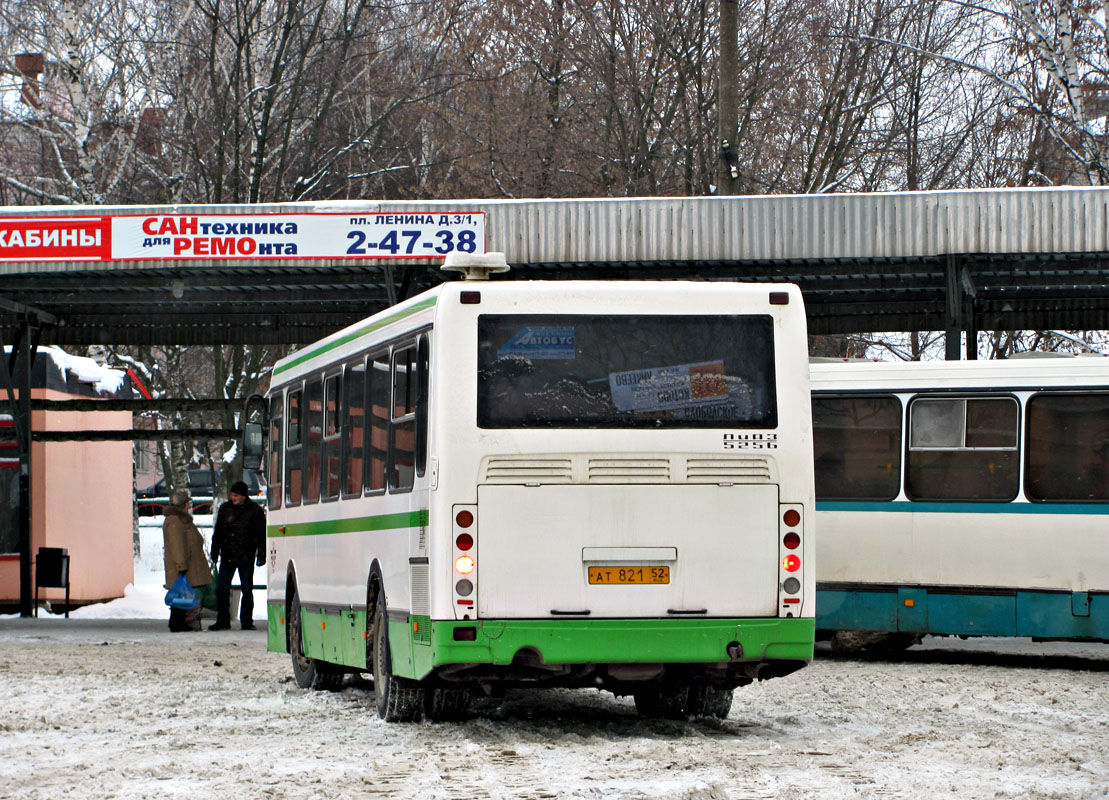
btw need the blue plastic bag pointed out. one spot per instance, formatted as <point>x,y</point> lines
<point>182,595</point>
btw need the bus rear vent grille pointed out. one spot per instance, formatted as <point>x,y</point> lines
<point>629,470</point>
<point>529,470</point>
<point>420,597</point>
<point>742,469</point>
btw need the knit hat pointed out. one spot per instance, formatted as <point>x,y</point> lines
<point>238,487</point>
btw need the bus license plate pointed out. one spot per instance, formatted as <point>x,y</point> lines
<point>628,575</point>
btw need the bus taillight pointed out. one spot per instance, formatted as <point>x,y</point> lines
<point>791,540</point>
<point>791,563</point>
<point>465,561</point>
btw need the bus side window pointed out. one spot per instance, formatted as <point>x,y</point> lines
<point>1068,447</point>
<point>402,428</point>
<point>963,449</point>
<point>423,376</point>
<point>277,442</point>
<point>313,437</point>
<point>354,427</point>
<point>857,447</point>
<point>377,395</point>
<point>332,427</point>
<point>293,451</point>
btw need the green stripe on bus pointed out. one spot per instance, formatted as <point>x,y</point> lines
<point>381,522</point>
<point>609,641</point>
<point>357,334</point>
<point>902,506</point>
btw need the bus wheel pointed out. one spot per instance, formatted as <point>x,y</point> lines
<point>308,672</point>
<point>446,705</point>
<point>304,668</point>
<point>708,701</point>
<point>398,699</point>
<point>329,678</point>
<point>662,702</point>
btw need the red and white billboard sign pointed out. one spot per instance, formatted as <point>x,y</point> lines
<point>61,239</point>
<point>237,236</point>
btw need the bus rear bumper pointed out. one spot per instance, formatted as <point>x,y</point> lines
<point>729,650</point>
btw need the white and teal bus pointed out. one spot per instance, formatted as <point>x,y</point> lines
<point>962,498</point>
<point>579,484</point>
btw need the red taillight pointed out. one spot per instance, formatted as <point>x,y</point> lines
<point>791,563</point>
<point>791,540</point>
<point>791,518</point>
<point>464,541</point>
<point>464,565</point>
<point>464,519</point>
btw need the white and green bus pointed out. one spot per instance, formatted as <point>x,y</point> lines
<point>507,483</point>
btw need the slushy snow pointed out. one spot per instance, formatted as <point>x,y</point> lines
<point>110,704</point>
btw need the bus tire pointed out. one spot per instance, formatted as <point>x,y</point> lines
<point>709,701</point>
<point>446,705</point>
<point>308,672</point>
<point>304,668</point>
<point>329,678</point>
<point>662,701</point>
<point>397,699</point>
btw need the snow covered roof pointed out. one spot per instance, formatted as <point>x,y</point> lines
<point>56,369</point>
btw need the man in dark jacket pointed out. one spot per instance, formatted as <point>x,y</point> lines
<point>238,543</point>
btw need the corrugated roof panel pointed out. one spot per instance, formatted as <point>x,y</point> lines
<point>781,227</point>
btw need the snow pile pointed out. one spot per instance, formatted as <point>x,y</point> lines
<point>109,704</point>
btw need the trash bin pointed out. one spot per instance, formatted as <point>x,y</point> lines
<point>52,571</point>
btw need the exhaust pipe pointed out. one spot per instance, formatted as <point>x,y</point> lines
<point>758,671</point>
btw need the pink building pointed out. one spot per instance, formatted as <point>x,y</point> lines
<point>81,492</point>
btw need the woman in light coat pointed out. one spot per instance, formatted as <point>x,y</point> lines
<point>184,554</point>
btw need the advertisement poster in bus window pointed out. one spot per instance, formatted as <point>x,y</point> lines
<point>678,388</point>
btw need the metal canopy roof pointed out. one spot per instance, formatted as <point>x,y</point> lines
<point>997,259</point>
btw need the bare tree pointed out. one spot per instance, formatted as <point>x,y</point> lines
<point>192,372</point>
<point>85,77</point>
<point>1061,76</point>
<point>309,98</point>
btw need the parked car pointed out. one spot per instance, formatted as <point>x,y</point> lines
<point>152,500</point>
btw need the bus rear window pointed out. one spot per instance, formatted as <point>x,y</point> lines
<point>600,371</point>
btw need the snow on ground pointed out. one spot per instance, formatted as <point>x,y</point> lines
<point>109,704</point>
